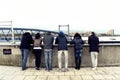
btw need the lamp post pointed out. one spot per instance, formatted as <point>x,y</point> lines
<point>64,26</point>
<point>12,31</point>
<point>68,36</point>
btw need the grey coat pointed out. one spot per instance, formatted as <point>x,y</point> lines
<point>48,40</point>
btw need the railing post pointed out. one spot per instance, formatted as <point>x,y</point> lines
<point>12,31</point>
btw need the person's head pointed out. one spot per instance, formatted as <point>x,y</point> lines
<point>77,35</point>
<point>26,33</point>
<point>37,36</point>
<point>61,33</point>
<point>93,33</point>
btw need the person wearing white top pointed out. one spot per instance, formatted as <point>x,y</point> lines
<point>37,50</point>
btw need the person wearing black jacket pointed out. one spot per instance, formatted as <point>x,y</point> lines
<point>25,48</point>
<point>61,40</point>
<point>78,49</point>
<point>93,42</point>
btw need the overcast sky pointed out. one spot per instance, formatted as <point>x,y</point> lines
<point>95,15</point>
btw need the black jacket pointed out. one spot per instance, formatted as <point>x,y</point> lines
<point>78,43</point>
<point>26,41</point>
<point>93,42</point>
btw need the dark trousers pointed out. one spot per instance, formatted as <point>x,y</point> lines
<point>78,54</point>
<point>37,53</point>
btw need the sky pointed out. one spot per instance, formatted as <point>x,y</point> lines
<point>81,15</point>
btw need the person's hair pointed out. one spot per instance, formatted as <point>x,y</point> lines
<point>26,34</point>
<point>37,36</point>
<point>77,35</point>
<point>93,33</point>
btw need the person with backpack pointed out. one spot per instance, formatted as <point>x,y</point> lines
<point>78,49</point>
<point>37,50</point>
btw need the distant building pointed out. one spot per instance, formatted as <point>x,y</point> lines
<point>87,33</point>
<point>110,32</point>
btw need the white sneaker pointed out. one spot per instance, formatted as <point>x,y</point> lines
<point>60,70</point>
<point>94,68</point>
<point>65,69</point>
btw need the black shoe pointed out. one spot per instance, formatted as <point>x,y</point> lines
<point>50,69</point>
<point>75,67</point>
<point>37,68</point>
<point>78,68</point>
<point>23,69</point>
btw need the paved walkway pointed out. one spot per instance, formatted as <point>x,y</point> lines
<point>86,73</point>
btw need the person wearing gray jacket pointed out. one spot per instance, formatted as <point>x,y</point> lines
<point>48,40</point>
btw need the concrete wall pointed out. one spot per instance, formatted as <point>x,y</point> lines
<point>109,55</point>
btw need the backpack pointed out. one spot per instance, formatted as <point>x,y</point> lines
<point>37,42</point>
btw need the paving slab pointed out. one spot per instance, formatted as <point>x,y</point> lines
<point>85,73</point>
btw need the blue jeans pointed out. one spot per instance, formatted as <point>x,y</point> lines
<point>78,54</point>
<point>48,58</point>
<point>25,53</point>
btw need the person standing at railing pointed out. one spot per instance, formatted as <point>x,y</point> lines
<point>25,47</point>
<point>48,40</point>
<point>61,40</point>
<point>78,49</point>
<point>37,50</point>
<point>93,42</point>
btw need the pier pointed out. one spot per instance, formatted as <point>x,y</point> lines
<point>108,56</point>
